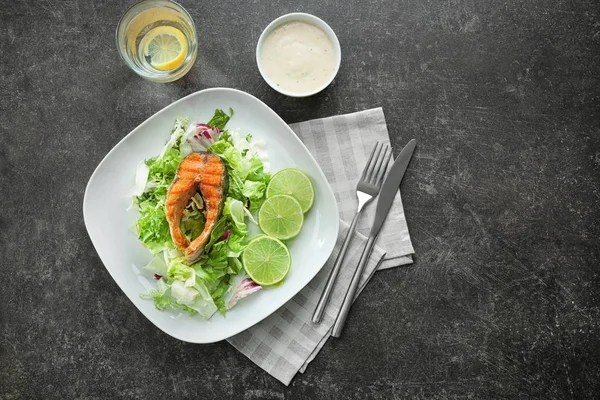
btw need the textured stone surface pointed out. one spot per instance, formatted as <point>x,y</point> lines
<point>502,199</point>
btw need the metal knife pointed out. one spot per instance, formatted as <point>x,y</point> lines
<point>387,194</point>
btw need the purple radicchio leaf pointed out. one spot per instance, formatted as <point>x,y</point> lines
<point>246,288</point>
<point>225,235</point>
<point>204,136</point>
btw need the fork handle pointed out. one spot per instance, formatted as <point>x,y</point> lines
<point>324,299</point>
<point>349,299</point>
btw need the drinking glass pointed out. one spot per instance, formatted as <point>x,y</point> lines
<point>157,39</point>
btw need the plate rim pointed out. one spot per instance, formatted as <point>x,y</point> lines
<point>93,177</point>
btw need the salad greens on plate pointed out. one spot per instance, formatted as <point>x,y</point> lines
<point>207,285</point>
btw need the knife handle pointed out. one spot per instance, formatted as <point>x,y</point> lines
<point>349,299</point>
<point>324,299</point>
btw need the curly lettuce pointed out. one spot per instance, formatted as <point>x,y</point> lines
<point>203,287</point>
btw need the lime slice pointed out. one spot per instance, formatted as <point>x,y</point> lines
<point>295,183</point>
<point>165,47</point>
<point>266,260</point>
<point>281,217</point>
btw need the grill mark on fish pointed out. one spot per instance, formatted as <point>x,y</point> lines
<point>198,172</point>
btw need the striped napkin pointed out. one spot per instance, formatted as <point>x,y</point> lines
<point>285,342</point>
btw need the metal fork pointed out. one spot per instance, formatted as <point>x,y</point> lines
<point>367,188</point>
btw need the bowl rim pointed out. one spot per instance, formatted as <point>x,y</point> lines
<point>302,17</point>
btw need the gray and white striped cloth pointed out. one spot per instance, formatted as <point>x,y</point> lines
<point>285,342</point>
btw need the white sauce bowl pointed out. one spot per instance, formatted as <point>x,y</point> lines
<point>306,18</point>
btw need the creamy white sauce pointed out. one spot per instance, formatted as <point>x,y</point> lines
<point>298,57</point>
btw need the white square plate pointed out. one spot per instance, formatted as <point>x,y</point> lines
<point>108,222</point>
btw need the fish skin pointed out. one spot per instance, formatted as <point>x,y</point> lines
<point>203,173</point>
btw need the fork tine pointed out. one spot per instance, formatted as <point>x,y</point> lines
<point>368,166</point>
<point>376,171</point>
<point>384,168</point>
<point>372,166</point>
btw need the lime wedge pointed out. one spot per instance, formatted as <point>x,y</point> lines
<point>266,260</point>
<point>281,217</point>
<point>295,183</point>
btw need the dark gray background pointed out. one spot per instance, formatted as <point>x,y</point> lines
<point>502,199</point>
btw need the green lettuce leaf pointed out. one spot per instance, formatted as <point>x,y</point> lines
<point>203,287</point>
<point>255,192</point>
<point>236,244</point>
<point>192,223</point>
<point>179,270</point>
<point>152,225</point>
<point>247,177</point>
<point>234,209</point>
<point>220,118</point>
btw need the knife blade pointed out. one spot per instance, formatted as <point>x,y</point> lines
<point>390,187</point>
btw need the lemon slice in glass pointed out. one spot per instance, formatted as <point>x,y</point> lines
<point>165,48</point>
